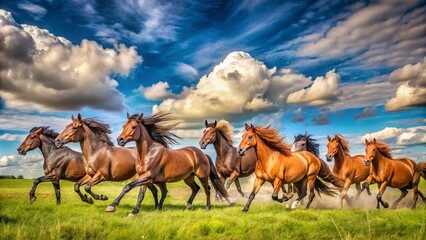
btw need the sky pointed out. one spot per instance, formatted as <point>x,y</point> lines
<point>356,68</point>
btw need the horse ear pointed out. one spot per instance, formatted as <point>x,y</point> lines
<point>79,117</point>
<point>374,141</point>
<point>128,116</point>
<point>38,131</point>
<point>206,123</point>
<point>73,118</point>
<point>247,127</point>
<point>140,117</point>
<point>366,142</point>
<point>306,133</point>
<point>251,126</point>
<point>215,123</point>
<point>329,138</point>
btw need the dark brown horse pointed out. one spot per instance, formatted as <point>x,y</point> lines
<point>402,173</point>
<point>278,165</point>
<point>350,169</point>
<point>58,164</point>
<point>229,164</point>
<point>104,162</point>
<point>158,164</point>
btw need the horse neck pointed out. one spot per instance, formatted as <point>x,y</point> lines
<point>222,147</point>
<point>379,162</point>
<point>339,159</point>
<point>90,143</point>
<point>47,146</point>
<point>143,144</point>
<point>263,152</point>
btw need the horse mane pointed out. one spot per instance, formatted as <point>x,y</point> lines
<point>47,131</point>
<point>311,144</point>
<point>343,142</point>
<point>273,139</point>
<point>100,129</point>
<point>384,149</point>
<point>226,129</point>
<point>159,129</point>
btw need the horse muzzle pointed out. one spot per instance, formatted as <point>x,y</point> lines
<point>366,163</point>
<point>328,157</point>
<point>121,141</point>
<point>242,151</point>
<point>59,142</point>
<point>203,145</point>
<point>21,151</point>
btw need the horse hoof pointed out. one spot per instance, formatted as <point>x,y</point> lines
<point>207,209</point>
<point>104,197</point>
<point>110,209</point>
<point>189,206</point>
<point>90,200</point>
<point>385,205</point>
<point>244,210</point>
<point>32,199</point>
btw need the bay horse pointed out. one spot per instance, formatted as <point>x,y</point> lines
<point>59,163</point>
<point>157,163</point>
<point>402,173</point>
<point>278,165</point>
<point>350,169</point>
<point>229,164</point>
<point>104,162</point>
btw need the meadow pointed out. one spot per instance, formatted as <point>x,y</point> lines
<point>266,219</point>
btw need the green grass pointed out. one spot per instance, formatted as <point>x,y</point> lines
<point>74,219</point>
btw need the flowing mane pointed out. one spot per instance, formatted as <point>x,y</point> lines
<point>226,129</point>
<point>273,139</point>
<point>384,149</point>
<point>343,142</point>
<point>100,129</point>
<point>159,126</point>
<point>311,144</point>
<point>47,131</point>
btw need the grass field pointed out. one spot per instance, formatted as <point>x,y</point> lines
<point>74,219</point>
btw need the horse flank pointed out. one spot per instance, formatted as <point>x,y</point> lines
<point>273,139</point>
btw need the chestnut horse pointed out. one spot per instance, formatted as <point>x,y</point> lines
<point>278,165</point>
<point>402,173</point>
<point>104,162</point>
<point>157,163</point>
<point>62,163</point>
<point>228,163</point>
<point>350,169</point>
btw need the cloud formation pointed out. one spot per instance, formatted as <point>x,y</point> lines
<point>366,113</point>
<point>36,11</point>
<point>49,72</point>
<point>402,136</point>
<point>156,91</point>
<point>12,137</point>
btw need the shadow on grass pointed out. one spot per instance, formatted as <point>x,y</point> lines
<point>4,219</point>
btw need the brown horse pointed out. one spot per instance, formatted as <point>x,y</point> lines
<point>158,164</point>
<point>402,173</point>
<point>62,163</point>
<point>229,164</point>
<point>104,162</point>
<point>350,169</point>
<point>278,165</point>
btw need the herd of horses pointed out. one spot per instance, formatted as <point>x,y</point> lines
<point>262,151</point>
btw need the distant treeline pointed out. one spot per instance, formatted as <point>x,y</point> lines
<point>11,177</point>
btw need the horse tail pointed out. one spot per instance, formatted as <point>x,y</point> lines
<point>422,168</point>
<point>321,187</point>
<point>217,184</point>
<point>327,175</point>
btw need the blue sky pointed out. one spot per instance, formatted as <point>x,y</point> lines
<point>325,67</point>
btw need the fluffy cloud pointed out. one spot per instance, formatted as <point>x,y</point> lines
<point>49,72</point>
<point>12,137</point>
<point>186,70</point>
<point>156,91</point>
<point>412,92</point>
<point>322,91</point>
<point>366,113</point>
<point>371,31</point>
<point>24,122</point>
<point>15,160</point>
<point>402,136</point>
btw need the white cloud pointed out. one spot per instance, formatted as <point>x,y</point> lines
<point>49,72</point>
<point>403,136</point>
<point>287,82</point>
<point>156,91</point>
<point>322,91</point>
<point>12,137</point>
<point>187,70</point>
<point>36,11</point>
<point>189,133</point>
<point>412,92</point>
<point>24,122</point>
<point>26,160</point>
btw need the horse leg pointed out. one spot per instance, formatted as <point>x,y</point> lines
<point>79,183</point>
<point>383,186</point>
<point>232,178</point>
<point>163,189</point>
<point>343,194</point>
<point>154,192</point>
<point>205,183</point>
<point>404,193</point>
<point>311,186</point>
<point>57,188</point>
<point>256,187</point>
<point>367,183</point>
<point>300,186</point>
<point>144,179</point>
<point>415,196</point>
<point>139,201</point>
<point>421,195</point>
<point>97,178</point>
<point>278,184</point>
<point>238,185</point>
<point>194,187</point>
<point>218,196</point>
<point>36,182</point>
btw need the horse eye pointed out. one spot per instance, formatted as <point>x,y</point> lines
<point>134,127</point>
<point>250,137</point>
<point>303,144</point>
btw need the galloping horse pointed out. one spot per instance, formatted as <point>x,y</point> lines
<point>402,173</point>
<point>228,162</point>
<point>104,162</point>
<point>277,165</point>
<point>62,163</point>
<point>350,169</point>
<point>158,164</point>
